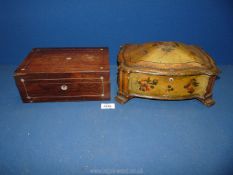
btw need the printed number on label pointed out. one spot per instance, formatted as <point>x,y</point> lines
<point>107,105</point>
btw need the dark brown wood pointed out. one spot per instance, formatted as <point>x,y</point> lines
<point>64,74</point>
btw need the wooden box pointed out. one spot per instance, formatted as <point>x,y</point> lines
<point>64,74</point>
<point>165,70</point>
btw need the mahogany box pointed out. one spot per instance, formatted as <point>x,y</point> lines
<point>64,74</point>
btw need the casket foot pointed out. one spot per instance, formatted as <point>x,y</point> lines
<point>209,101</point>
<point>122,99</point>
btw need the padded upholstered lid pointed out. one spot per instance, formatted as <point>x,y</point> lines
<point>167,58</point>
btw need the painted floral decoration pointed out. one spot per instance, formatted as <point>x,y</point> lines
<point>147,84</point>
<point>168,48</point>
<point>170,88</point>
<point>191,86</point>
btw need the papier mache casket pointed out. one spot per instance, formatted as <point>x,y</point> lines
<point>166,71</point>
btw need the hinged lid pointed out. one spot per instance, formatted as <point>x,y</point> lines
<point>65,60</point>
<point>166,58</point>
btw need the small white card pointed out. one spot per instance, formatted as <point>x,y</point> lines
<point>107,105</point>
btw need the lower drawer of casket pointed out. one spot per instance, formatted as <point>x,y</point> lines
<point>63,89</point>
<point>167,86</point>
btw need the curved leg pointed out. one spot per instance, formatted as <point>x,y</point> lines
<point>208,101</point>
<point>122,99</point>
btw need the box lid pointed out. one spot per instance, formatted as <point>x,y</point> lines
<point>65,60</point>
<point>167,58</point>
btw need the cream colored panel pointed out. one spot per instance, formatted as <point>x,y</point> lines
<point>172,87</point>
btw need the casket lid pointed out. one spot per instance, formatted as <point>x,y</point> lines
<point>167,58</point>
